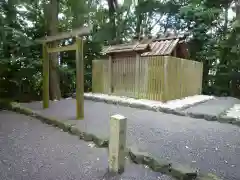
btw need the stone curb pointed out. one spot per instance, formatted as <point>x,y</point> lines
<point>209,176</point>
<point>178,112</point>
<point>176,171</point>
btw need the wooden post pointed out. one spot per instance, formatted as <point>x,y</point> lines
<point>45,76</point>
<point>79,79</point>
<point>117,143</point>
<point>110,74</point>
<point>137,74</point>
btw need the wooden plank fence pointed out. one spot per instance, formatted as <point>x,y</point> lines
<point>158,77</point>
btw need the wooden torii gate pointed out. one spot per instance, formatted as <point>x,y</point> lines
<point>78,47</point>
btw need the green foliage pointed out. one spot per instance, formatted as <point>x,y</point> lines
<point>212,38</point>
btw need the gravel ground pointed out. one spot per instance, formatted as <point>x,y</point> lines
<point>213,107</point>
<point>31,150</point>
<point>209,146</point>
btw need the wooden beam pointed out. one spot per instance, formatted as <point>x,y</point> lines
<point>63,48</point>
<point>79,79</point>
<point>45,77</point>
<point>74,33</point>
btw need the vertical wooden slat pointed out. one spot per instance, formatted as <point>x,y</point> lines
<point>158,78</point>
<point>182,76</point>
<point>165,89</point>
<point>128,86</point>
<point>144,77</point>
<point>140,78</point>
<point>125,75</point>
<point>124,69</point>
<point>135,92</point>
<point>131,75</point>
<point>79,79</point>
<point>174,78</point>
<point>120,75</point>
<point>153,78</point>
<point>105,78</point>
<point>110,74</point>
<point>149,78</point>
<point>161,84</point>
<point>179,78</point>
<point>149,74</point>
<point>45,77</point>
<point>185,79</point>
<point>113,76</point>
<point>146,74</point>
<point>170,78</point>
<point>153,89</point>
<point>161,79</point>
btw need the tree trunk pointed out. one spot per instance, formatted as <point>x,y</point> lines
<point>55,92</point>
<point>139,20</point>
<point>237,3</point>
<point>112,6</point>
<point>10,9</point>
<point>223,65</point>
<point>226,18</point>
<point>138,26</point>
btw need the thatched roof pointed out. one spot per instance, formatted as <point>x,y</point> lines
<point>130,47</point>
<point>162,47</point>
<point>147,47</point>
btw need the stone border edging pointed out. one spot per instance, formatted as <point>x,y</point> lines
<point>137,157</point>
<point>178,112</point>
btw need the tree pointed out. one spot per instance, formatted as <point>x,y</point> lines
<point>51,15</point>
<point>112,8</point>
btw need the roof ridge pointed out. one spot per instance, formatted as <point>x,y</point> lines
<point>169,38</point>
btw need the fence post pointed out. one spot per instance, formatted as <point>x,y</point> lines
<point>117,143</point>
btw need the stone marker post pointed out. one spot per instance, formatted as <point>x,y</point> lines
<point>117,143</point>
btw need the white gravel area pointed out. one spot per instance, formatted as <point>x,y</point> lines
<point>234,112</point>
<point>173,104</point>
